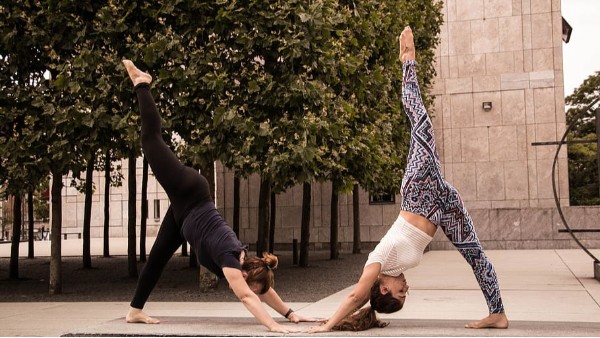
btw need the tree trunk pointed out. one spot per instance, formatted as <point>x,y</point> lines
<point>236,205</point>
<point>131,206</point>
<point>356,220</point>
<point>3,231</point>
<point>144,215</point>
<point>209,173</point>
<point>333,233</point>
<point>193,261</point>
<point>55,283</point>
<point>272,222</point>
<point>305,226</point>
<point>184,248</point>
<point>106,250</point>
<point>30,217</point>
<point>262,241</point>
<point>87,211</point>
<point>13,272</point>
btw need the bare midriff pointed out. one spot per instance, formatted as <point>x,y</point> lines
<point>419,221</point>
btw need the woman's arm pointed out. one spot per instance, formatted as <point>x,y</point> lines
<point>251,301</point>
<point>355,300</point>
<point>276,303</point>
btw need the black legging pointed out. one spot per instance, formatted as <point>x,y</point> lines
<point>185,187</point>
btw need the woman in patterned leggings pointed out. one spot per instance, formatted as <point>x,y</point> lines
<point>428,202</point>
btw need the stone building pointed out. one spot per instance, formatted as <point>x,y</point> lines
<point>499,89</point>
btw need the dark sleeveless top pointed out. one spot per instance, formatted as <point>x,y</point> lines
<point>215,244</point>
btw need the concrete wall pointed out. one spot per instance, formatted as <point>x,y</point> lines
<point>497,228</point>
<point>531,228</point>
<point>509,53</point>
<point>73,205</point>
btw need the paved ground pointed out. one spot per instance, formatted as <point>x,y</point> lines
<point>545,292</point>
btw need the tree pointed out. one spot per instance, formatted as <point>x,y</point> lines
<point>131,210</point>
<point>356,220</point>
<point>112,177</point>
<point>583,163</point>
<point>44,43</point>
<point>21,166</point>
<point>87,214</point>
<point>13,272</point>
<point>29,121</point>
<point>68,115</point>
<point>134,30</point>
<point>305,224</point>
<point>249,105</point>
<point>295,91</point>
<point>30,221</point>
<point>366,140</point>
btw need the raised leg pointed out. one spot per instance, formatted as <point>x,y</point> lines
<point>184,185</point>
<point>423,182</point>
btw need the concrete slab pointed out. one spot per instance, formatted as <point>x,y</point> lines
<point>244,327</point>
<point>54,319</point>
<point>516,269</point>
<point>545,292</point>
<point>543,285</point>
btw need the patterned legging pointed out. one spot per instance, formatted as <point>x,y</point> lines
<point>425,192</point>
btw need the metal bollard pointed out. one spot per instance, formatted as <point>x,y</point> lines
<point>295,251</point>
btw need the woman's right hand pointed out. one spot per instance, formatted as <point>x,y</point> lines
<point>318,329</point>
<point>296,318</point>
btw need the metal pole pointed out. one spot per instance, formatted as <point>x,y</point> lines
<point>295,251</point>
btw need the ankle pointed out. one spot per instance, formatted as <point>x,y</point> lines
<point>408,53</point>
<point>137,76</point>
<point>133,310</point>
<point>141,80</point>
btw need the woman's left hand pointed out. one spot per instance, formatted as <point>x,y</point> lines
<point>296,318</point>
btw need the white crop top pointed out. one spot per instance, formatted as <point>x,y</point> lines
<point>400,249</point>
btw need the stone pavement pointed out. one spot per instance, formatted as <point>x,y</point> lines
<point>545,293</point>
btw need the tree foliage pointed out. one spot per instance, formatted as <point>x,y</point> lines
<point>583,163</point>
<point>295,91</point>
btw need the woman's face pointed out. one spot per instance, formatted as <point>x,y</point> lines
<point>255,287</point>
<point>397,286</point>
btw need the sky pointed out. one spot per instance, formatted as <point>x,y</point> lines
<point>581,56</point>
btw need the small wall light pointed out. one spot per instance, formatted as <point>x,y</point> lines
<point>566,31</point>
<point>487,106</point>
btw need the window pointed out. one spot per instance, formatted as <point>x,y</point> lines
<point>382,198</point>
<point>157,209</point>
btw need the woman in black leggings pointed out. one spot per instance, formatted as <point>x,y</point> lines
<point>193,216</point>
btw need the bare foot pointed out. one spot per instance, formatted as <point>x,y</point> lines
<point>136,75</point>
<point>493,321</point>
<point>138,316</point>
<point>407,45</point>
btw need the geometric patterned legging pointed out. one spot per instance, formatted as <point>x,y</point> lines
<point>425,192</point>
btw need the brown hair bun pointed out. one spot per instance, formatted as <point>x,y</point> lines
<point>259,270</point>
<point>270,260</point>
